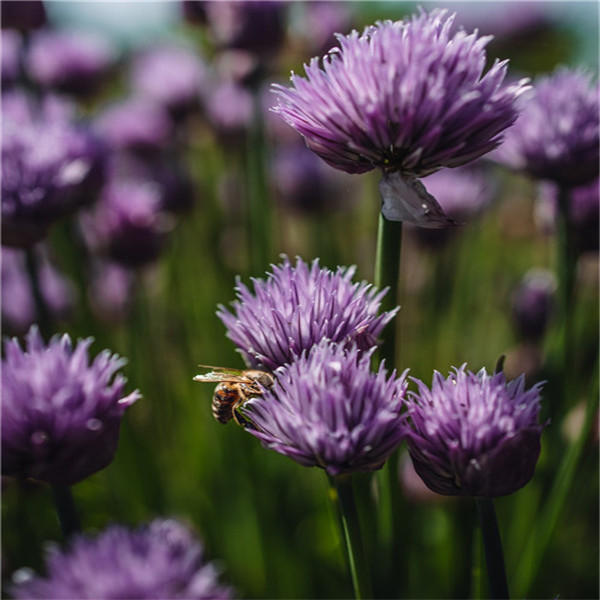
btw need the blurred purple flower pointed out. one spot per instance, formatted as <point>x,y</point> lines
<point>556,135</point>
<point>50,166</point>
<point>305,183</point>
<point>230,109</point>
<point>296,307</point>
<point>251,25</point>
<point>328,409</point>
<point>584,212</point>
<point>474,434</point>
<point>71,61</point>
<point>321,21</point>
<point>23,14</point>
<point>110,291</point>
<point>128,223</point>
<point>18,303</point>
<point>12,44</point>
<point>533,303</point>
<point>135,124</point>
<point>61,413</point>
<point>171,76</point>
<point>158,560</point>
<point>408,97</point>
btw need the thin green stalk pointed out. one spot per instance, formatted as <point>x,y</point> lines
<point>259,206</point>
<point>537,543</point>
<point>492,544</point>
<point>387,269</point>
<point>567,262</point>
<point>66,510</point>
<point>342,492</point>
<point>476,589</point>
<point>41,308</point>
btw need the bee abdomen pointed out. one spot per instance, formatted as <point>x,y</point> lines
<point>224,400</point>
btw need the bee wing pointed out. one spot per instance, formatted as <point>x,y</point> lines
<point>222,374</point>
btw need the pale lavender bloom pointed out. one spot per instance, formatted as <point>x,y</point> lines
<point>71,61</point>
<point>160,560</point>
<point>111,291</point>
<point>328,409</point>
<point>230,109</point>
<point>128,223</point>
<point>474,434</point>
<point>11,56</point>
<point>556,135</point>
<point>463,193</point>
<point>321,21</point>
<point>404,96</point>
<point>50,166</point>
<point>135,124</point>
<point>171,76</point>
<point>296,307</point>
<point>256,26</point>
<point>18,303</point>
<point>61,412</point>
<point>584,212</point>
<point>533,302</point>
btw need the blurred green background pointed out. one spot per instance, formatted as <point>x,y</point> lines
<point>266,519</point>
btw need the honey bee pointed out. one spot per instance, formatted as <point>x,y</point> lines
<point>234,388</point>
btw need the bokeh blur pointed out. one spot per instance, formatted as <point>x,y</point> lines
<point>170,177</point>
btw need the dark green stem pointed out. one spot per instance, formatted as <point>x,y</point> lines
<point>259,206</point>
<point>343,495</point>
<point>567,262</point>
<point>42,313</point>
<point>66,510</point>
<point>492,545</point>
<point>387,270</point>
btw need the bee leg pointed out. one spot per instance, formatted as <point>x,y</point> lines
<point>238,417</point>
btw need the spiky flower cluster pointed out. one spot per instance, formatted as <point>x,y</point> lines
<point>474,434</point>
<point>159,560</point>
<point>61,413</point>
<point>296,307</point>
<point>408,96</point>
<point>328,409</point>
<point>556,135</point>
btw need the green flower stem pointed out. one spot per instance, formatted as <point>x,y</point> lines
<point>66,510</point>
<point>492,545</point>
<point>387,269</point>
<point>477,552</point>
<point>259,206</point>
<point>343,496</point>
<point>387,274</point>
<point>537,543</point>
<point>42,313</point>
<point>567,263</point>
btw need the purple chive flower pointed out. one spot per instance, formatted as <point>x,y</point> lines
<point>18,304</point>
<point>584,213</point>
<point>533,302</point>
<point>11,43</point>
<point>71,61</point>
<point>50,166</point>
<point>230,109</point>
<point>251,25</point>
<point>556,135</point>
<point>474,434</point>
<point>328,409</point>
<point>23,14</point>
<point>159,560</point>
<point>408,97</point>
<point>135,124</point>
<point>304,182</point>
<point>61,412</point>
<point>111,291</point>
<point>171,76</point>
<point>128,223</point>
<point>296,307</point>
